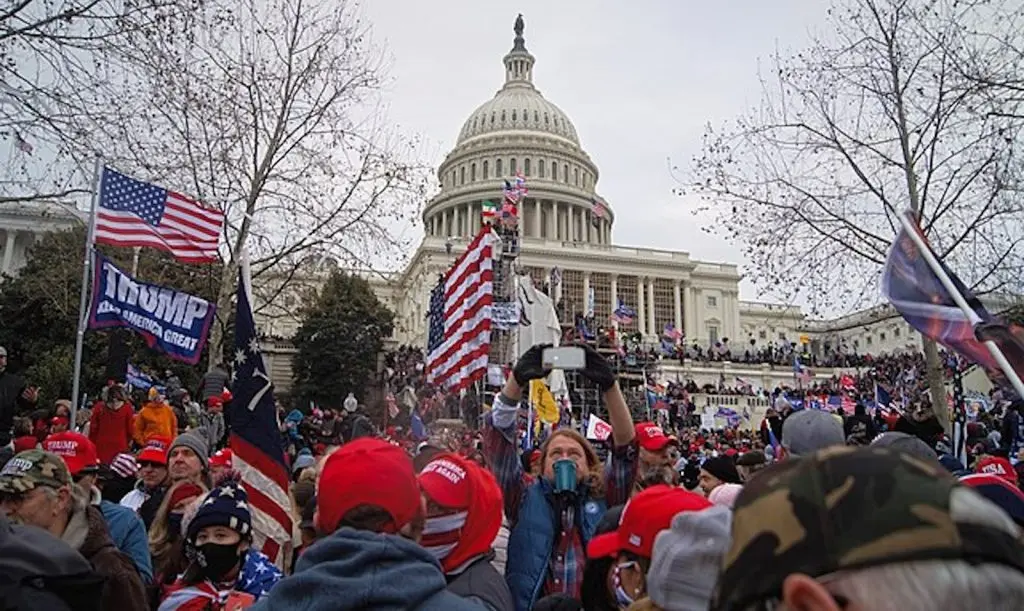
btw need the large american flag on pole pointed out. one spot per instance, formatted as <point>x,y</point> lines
<point>255,438</point>
<point>459,337</point>
<point>136,213</point>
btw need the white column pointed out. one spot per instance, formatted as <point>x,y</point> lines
<point>615,291</point>
<point>677,299</point>
<point>471,220</point>
<point>690,313</point>
<point>652,322</point>
<point>556,221</point>
<point>552,222</point>
<point>641,311</point>
<point>588,221</point>
<point>10,239</point>
<point>536,218</point>
<point>586,291</point>
<point>446,224</point>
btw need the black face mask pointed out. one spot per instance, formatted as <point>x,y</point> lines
<point>174,524</point>
<point>215,560</point>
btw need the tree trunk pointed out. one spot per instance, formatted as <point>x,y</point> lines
<point>214,344</point>
<point>936,383</point>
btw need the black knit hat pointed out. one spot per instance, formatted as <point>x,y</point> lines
<point>723,468</point>
<point>227,504</point>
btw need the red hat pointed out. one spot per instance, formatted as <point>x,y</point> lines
<point>222,458</point>
<point>58,420</point>
<point>995,465</point>
<point>77,450</point>
<point>367,471</point>
<point>25,442</point>
<point>652,438</point>
<point>155,450</point>
<point>459,484</point>
<point>643,517</point>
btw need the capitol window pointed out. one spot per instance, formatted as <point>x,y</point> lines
<point>498,169</point>
<point>492,118</point>
<point>554,170</point>
<point>513,115</point>
<point>486,168</point>
<point>526,167</point>
<point>546,119</point>
<point>565,173</point>
<point>540,167</point>
<point>762,335</point>
<point>536,117</point>
<point>503,116</point>
<point>576,176</point>
<point>512,166</point>
<point>462,175</point>
<point>712,334</point>
<point>712,301</point>
<point>472,172</point>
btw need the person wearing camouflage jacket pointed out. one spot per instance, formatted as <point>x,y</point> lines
<point>36,489</point>
<point>804,530</point>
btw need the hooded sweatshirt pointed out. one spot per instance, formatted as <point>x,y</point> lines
<point>111,430</point>
<point>356,569</point>
<point>155,420</point>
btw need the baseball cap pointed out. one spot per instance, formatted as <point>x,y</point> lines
<point>31,469</point>
<point>902,442</point>
<point>445,480</point>
<point>1001,492</point>
<point>77,450</point>
<point>222,458</point>
<point>155,450</point>
<point>652,438</point>
<point>807,516</point>
<point>685,559</point>
<point>810,430</point>
<point>644,516</point>
<point>1001,467</point>
<point>3,351</point>
<point>367,471</point>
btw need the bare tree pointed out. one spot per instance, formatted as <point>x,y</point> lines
<point>50,54</point>
<point>270,111</point>
<point>872,119</point>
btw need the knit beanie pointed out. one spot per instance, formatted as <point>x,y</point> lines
<point>723,468</point>
<point>194,442</point>
<point>227,504</point>
<point>472,501</point>
<point>725,495</point>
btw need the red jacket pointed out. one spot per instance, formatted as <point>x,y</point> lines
<point>111,430</point>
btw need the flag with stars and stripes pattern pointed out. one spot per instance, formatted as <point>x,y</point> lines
<point>459,338</point>
<point>255,438</point>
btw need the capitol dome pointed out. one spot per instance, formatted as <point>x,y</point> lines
<point>518,131</point>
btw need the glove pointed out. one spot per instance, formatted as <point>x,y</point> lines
<point>529,366</point>
<point>598,370</point>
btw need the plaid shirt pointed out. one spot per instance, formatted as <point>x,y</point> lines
<point>568,559</point>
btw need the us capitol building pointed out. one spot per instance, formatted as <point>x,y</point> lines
<point>519,130</point>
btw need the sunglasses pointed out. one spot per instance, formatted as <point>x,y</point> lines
<point>149,463</point>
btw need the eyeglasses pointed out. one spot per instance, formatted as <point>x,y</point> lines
<point>148,463</point>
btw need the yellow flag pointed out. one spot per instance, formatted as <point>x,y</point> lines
<point>543,402</point>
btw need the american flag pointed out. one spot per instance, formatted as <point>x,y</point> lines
<point>255,440</point>
<point>460,317</point>
<point>136,213</point>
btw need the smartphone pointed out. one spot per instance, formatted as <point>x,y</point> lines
<point>564,357</point>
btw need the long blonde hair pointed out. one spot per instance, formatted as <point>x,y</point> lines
<point>165,548</point>
<point>595,474</point>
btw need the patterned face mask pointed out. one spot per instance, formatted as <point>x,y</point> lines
<point>441,534</point>
<point>622,598</point>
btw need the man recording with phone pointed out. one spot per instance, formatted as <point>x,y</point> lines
<point>554,516</point>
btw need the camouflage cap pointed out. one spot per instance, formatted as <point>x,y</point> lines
<point>846,508</point>
<point>33,468</point>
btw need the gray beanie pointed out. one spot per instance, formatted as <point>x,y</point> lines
<point>809,430</point>
<point>908,444</point>
<point>195,442</point>
<point>686,557</point>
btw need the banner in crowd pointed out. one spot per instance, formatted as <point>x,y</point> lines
<point>136,378</point>
<point>171,321</point>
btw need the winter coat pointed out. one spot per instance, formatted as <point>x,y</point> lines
<point>532,540</point>
<point>11,403</point>
<point>144,502</point>
<point>357,569</point>
<point>155,420</point>
<point>213,383</point>
<point>501,546</point>
<point>87,532</point>
<point>129,535</point>
<point>479,581</point>
<point>111,430</point>
<point>257,577</point>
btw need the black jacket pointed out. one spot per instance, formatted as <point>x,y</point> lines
<point>482,582</point>
<point>11,403</point>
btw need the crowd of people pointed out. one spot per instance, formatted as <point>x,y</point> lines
<point>141,509</point>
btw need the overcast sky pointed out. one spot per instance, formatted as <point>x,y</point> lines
<point>640,80</point>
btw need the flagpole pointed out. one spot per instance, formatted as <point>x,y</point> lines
<point>912,230</point>
<point>83,298</point>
